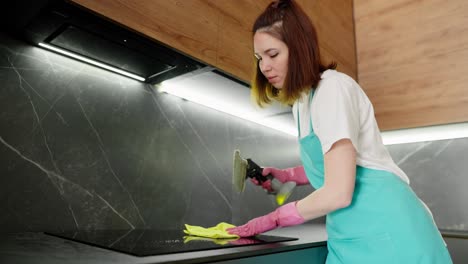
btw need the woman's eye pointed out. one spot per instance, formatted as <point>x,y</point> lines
<point>274,55</point>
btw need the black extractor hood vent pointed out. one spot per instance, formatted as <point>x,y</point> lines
<point>63,26</point>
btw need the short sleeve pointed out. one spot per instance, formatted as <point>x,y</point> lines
<point>335,112</point>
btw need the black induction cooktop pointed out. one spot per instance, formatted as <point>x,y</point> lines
<point>148,242</point>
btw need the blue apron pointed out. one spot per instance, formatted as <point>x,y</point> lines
<point>385,222</point>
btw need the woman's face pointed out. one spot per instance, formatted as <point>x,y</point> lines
<point>272,55</point>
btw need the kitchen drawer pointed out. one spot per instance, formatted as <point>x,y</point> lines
<point>458,248</point>
<point>315,255</point>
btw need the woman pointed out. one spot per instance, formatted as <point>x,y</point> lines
<point>372,214</point>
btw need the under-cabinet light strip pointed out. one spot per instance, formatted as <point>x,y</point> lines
<point>212,103</point>
<point>420,134</point>
<point>93,62</point>
<point>402,136</point>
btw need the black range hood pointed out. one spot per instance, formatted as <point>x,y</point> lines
<point>65,26</point>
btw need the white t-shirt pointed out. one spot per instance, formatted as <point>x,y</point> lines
<point>341,109</point>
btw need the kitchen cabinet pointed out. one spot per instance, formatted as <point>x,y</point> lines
<point>219,32</point>
<point>457,247</point>
<point>413,59</point>
<point>410,57</point>
<point>314,255</point>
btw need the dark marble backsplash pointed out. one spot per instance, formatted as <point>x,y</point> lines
<point>83,148</point>
<point>438,172</point>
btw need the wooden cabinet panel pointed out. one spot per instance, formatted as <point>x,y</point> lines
<point>413,59</point>
<point>235,50</point>
<point>335,27</point>
<point>218,32</point>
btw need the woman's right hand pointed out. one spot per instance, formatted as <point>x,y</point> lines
<point>295,174</point>
<point>281,175</point>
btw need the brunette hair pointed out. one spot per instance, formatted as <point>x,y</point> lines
<point>286,21</point>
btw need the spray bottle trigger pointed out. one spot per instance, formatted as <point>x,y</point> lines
<point>255,171</point>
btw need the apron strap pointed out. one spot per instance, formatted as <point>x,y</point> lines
<point>299,117</point>
<point>298,122</point>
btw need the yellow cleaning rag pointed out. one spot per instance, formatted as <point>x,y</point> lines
<point>219,241</point>
<point>218,231</point>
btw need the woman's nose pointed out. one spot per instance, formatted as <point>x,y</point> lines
<point>265,66</point>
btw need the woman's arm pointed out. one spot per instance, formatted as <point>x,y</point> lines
<point>337,191</point>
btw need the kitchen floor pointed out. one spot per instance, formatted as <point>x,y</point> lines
<point>458,248</point>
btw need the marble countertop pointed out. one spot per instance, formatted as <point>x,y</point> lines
<point>37,247</point>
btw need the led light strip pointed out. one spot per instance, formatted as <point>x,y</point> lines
<point>213,104</point>
<point>420,134</point>
<point>412,135</point>
<point>93,62</point>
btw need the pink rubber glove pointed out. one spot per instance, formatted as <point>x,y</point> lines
<point>295,174</point>
<point>286,215</point>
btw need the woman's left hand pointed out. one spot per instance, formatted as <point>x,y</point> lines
<point>254,227</point>
<point>286,215</point>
